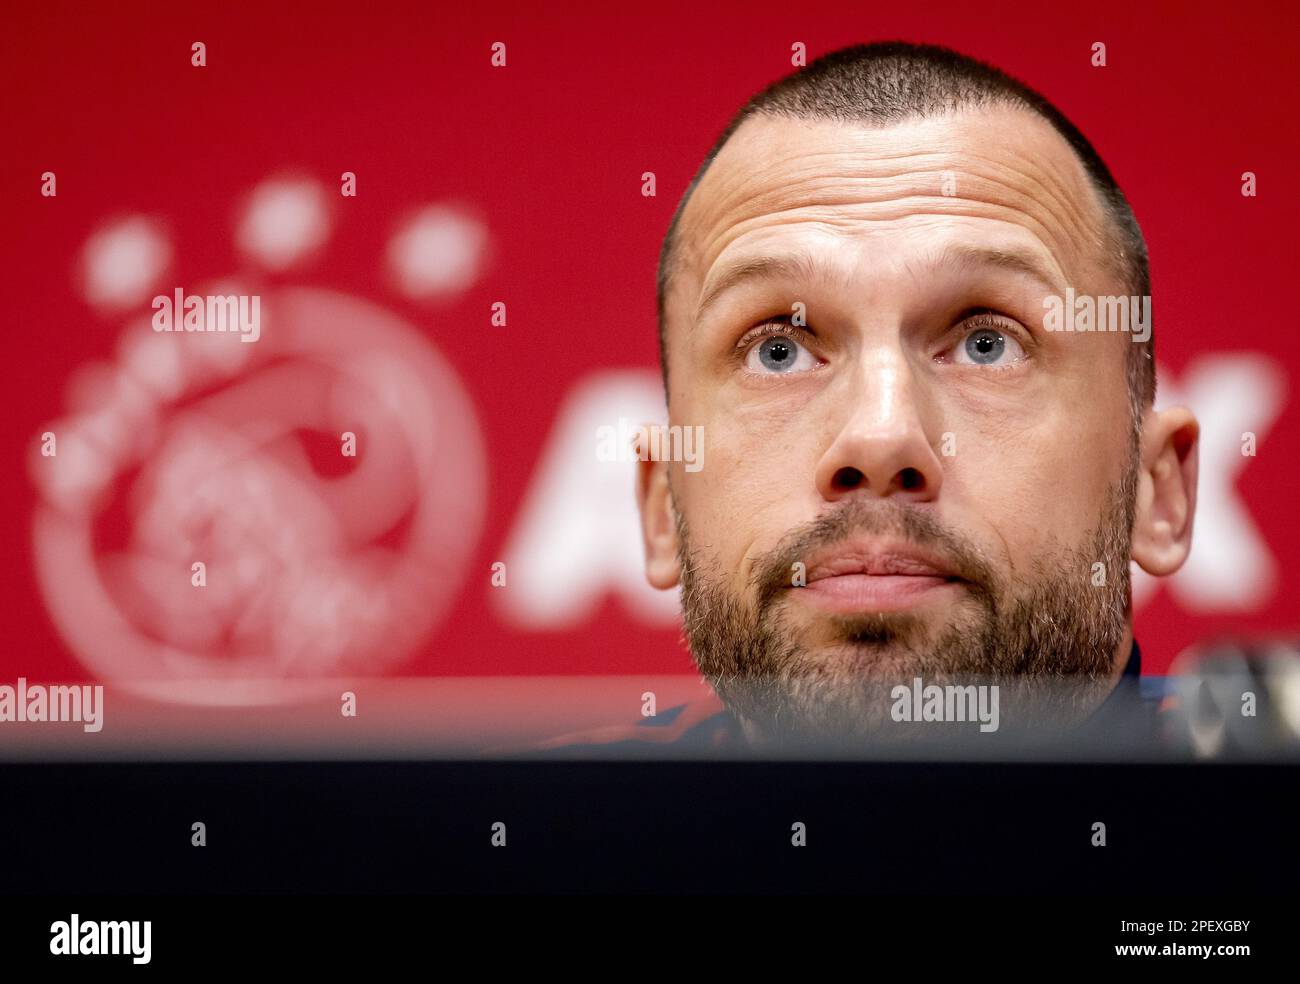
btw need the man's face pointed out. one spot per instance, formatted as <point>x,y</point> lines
<point>941,472</point>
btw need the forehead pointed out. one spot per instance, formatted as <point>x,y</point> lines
<point>998,172</point>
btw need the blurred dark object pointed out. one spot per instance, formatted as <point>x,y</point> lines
<point>1235,698</point>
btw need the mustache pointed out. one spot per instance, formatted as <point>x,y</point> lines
<point>882,517</point>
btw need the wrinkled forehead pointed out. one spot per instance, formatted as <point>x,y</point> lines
<point>1000,170</point>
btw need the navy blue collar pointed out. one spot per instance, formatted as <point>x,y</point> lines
<point>1133,668</point>
<point>1126,696</point>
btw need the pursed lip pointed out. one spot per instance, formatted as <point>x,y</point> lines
<point>873,575</point>
<point>877,558</point>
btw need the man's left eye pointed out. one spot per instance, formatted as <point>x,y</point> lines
<point>987,347</point>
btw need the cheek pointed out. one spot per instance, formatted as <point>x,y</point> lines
<point>755,486</point>
<point>1037,481</point>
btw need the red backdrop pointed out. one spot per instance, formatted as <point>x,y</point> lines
<point>534,174</point>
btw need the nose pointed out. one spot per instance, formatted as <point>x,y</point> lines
<point>881,446</point>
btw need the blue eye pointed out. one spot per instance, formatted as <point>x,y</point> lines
<point>779,354</point>
<point>987,347</point>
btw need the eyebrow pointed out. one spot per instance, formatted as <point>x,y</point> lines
<point>792,266</point>
<point>801,266</point>
<point>1014,260</point>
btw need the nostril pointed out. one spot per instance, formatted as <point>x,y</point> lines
<point>848,478</point>
<point>909,480</point>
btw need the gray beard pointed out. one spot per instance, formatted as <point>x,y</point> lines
<point>1048,642</point>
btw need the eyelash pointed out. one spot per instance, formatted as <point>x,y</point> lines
<point>985,318</point>
<point>779,325</point>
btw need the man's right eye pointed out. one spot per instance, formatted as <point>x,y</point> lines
<point>777,352</point>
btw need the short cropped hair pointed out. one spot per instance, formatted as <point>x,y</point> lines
<point>891,82</point>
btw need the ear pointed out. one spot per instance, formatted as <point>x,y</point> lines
<point>1166,497</point>
<point>658,522</point>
